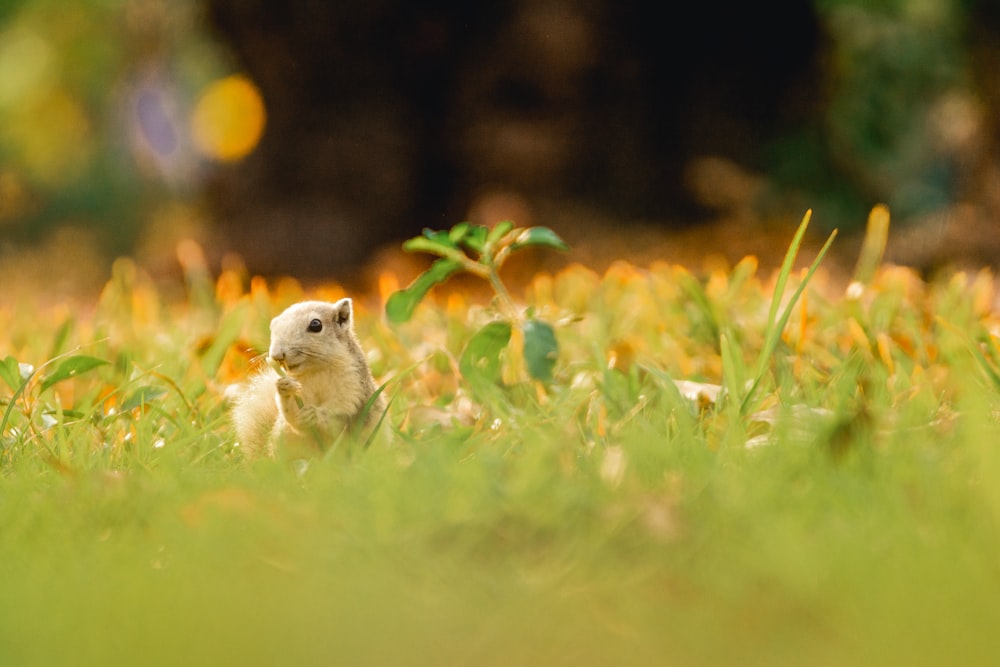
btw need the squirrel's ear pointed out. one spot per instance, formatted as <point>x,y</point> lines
<point>342,311</point>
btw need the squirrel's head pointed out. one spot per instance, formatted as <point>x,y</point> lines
<point>311,333</point>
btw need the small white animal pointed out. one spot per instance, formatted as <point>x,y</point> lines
<point>316,385</point>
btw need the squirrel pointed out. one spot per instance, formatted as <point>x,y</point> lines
<point>314,388</point>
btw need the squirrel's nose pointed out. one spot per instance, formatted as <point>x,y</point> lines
<point>278,355</point>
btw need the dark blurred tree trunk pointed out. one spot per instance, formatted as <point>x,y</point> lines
<point>386,116</point>
<point>355,93</point>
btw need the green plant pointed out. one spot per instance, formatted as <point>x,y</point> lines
<point>605,525</point>
<point>775,322</point>
<point>19,376</point>
<point>481,251</point>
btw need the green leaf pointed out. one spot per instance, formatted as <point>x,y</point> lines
<point>72,367</point>
<point>538,236</point>
<point>475,239</point>
<point>458,232</point>
<point>498,231</point>
<point>141,396</point>
<point>438,236</point>
<point>431,246</point>
<point>10,373</point>
<point>480,360</point>
<point>401,305</point>
<point>436,242</point>
<point>541,349</point>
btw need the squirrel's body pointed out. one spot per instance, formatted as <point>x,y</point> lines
<point>326,387</point>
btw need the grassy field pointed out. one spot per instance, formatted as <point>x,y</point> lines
<point>844,511</point>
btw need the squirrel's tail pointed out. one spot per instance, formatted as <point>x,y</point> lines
<point>254,412</point>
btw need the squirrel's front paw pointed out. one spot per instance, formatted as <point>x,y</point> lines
<point>288,387</point>
<point>308,417</point>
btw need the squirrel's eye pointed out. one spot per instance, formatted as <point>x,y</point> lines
<point>315,326</point>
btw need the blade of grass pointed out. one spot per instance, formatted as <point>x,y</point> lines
<point>873,247</point>
<point>686,412</point>
<point>13,401</point>
<point>381,418</point>
<point>370,403</point>
<point>779,290</point>
<point>696,294</point>
<point>775,328</point>
<point>733,369</point>
<point>991,373</point>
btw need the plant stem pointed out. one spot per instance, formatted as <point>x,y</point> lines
<point>506,302</point>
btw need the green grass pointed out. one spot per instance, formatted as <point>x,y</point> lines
<point>602,519</point>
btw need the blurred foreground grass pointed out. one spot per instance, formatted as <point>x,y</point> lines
<point>611,517</point>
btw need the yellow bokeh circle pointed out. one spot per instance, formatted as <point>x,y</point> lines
<point>228,119</point>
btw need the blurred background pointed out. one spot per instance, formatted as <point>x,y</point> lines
<point>307,137</point>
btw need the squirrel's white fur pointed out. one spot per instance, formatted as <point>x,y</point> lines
<point>324,390</point>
